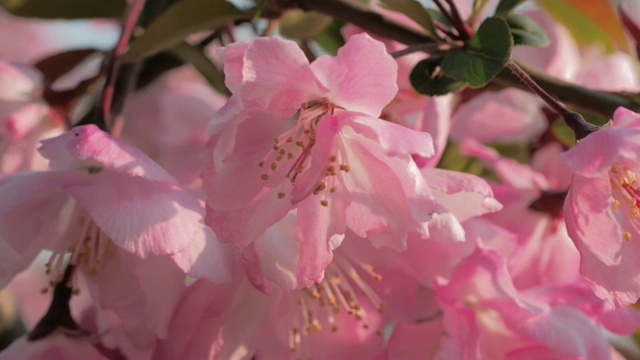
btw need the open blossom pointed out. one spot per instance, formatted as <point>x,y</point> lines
<point>306,136</point>
<point>124,220</point>
<point>602,209</point>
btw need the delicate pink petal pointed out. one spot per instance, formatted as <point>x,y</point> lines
<point>379,209</point>
<point>242,226</point>
<point>589,219</point>
<point>362,77</point>
<point>507,116</point>
<point>206,257</point>
<point>142,294</point>
<point>567,331</point>
<point>600,150</point>
<point>320,229</point>
<point>436,120</point>
<point>278,250</point>
<point>89,148</point>
<point>465,195</point>
<point>141,216</point>
<point>277,75</point>
<point>392,138</point>
<point>326,132</point>
<point>236,173</point>
<point>613,72</point>
<point>232,56</point>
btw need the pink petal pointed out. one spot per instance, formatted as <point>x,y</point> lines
<point>141,216</point>
<point>595,154</point>
<point>277,75</point>
<point>206,257</point>
<point>320,229</point>
<point>362,77</point>
<point>465,195</point>
<point>91,149</point>
<point>506,116</point>
<point>589,219</point>
<point>392,138</point>
<point>232,56</point>
<point>326,132</point>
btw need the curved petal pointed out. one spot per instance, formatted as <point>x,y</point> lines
<point>394,139</point>
<point>91,149</point>
<point>277,75</point>
<point>142,216</point>
<point>362,77</point>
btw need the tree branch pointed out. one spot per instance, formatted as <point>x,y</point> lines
<point>596,102</point>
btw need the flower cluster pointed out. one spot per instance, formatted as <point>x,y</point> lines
<point>323,209</point>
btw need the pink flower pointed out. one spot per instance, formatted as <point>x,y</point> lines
<point>343,316</point>
<point>487,318</point>
<point>25,118</point>
<point>306,136</point>
<point>121,217</point>
<point>602,207</point>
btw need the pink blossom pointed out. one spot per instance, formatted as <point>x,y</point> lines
<point>306,136</point>
<point>25,118</point>
<point>601,207</point>
<point>342,316</point>
<point>487,318</point>
<point>111,207</point>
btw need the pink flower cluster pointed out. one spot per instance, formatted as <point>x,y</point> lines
<point>310,215</point>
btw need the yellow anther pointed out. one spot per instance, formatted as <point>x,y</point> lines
<point>324,203</point>
<point>627,236</point>
<point>264,177</point>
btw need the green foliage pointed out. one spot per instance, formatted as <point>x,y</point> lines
<point>427,78</point>
<point>300,24</point>
<point>184,18</point>
<point>484,57</point>
<point>331,38</point>
<point>506,6</point>
<point>65,9</point>
<point>563,133</point>
<point>414,11</point>
<point>525,31</point>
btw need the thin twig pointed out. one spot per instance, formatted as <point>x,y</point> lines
<point>574,120</point>
<point>112,64</point>
<point>429,48</point>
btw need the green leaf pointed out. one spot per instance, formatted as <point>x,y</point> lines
<point>331,38</point>
<point>184,18</point>
<point>65,9</point>
<point>525,31</point>
<point>300,24</point>
<point>414,11</point>
<point>428,79</point>
<point>194,56</point>
<point>563,133</point>
<point>506,6</point>
<point>485,56</point>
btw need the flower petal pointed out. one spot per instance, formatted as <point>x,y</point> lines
<point>362,77</point>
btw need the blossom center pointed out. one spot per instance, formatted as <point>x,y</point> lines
<point>290,153</point>
<point>626,195</point>
<point>84,244</point>
<point>344,290</point>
